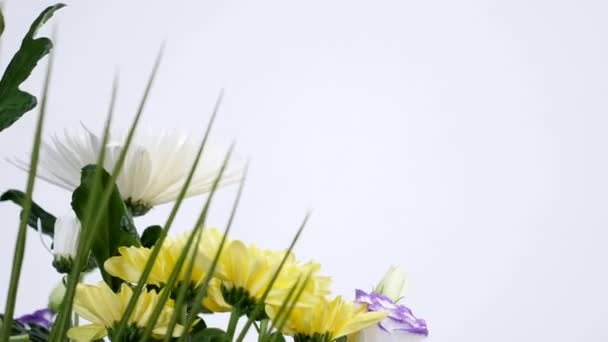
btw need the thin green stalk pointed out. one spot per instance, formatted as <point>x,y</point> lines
<point>103,203</point>
<point>258,308</point>
<point>183,290</point>
<point>285,318</point>
<point>88,234</point>
<point>235,314</point>
<point>166,292</point>
<point>198,227</point>
<point>185,286</point>
<point>156,249</point>
<point>287,301</point>
<point>262,330</point>
<point>202,290</point>
<point>27,207</point>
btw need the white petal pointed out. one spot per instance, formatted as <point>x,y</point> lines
<point>154,170</point>
<point>67,233</point>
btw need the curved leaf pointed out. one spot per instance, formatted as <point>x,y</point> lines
<point>150,236</point>
<point>47,220</point>
<point>116,224</point>
<point>13,101</point>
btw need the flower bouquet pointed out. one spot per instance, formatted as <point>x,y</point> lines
<point>157,285</point>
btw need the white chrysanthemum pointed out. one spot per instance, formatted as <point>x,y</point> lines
<point>155,169</point>
<point>66,235</point>
<point>65,241</point>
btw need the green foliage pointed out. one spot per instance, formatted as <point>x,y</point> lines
<point>19,251</point>
<point>276,337</point>
<point>211,335</point>
<point>1,22</point>
<point>151,235</point>
<point>47,220</point>
<point>116,226</point>
<point>167,226</point>
<point>259,309</point>
<point>20,332</point>
<point>62,321</point>
<point>13,101</point>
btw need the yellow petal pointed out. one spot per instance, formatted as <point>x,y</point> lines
<point>361,321</point>
<point>86,333</point>
<point>237,263</point>
<point>97,304</point>
<point>215,299</point>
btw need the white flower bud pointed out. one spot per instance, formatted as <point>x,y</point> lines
<point>67,233</point>
<point>392,284</point>
<point>56,297</point>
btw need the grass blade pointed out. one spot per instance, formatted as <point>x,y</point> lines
<point>27,207</point>
<point>202,290</point>
<point>63,317</point>
<point>283,320</point>
<point>175,273</point>
<point>156,249</point>
<point>257,310</point>
<point>86,240</point>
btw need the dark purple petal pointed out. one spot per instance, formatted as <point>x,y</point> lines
<point>400,317</point>
<point>42,317</point>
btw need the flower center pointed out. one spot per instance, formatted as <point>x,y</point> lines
<point>316,337</point>
<point>137,208</point>
<point>240,299</point>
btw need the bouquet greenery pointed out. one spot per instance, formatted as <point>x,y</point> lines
<point>158,286</point>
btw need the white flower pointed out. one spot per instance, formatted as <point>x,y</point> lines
<point>376,334</point>
<point>56,297</point>
<point>66,236</point>
<point>392,284</point>
<point>155,168</point>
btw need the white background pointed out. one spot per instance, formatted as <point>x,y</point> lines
<point>464,140</point>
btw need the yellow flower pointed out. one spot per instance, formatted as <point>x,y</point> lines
<point>104,308</point>
<point>246,273</point>
<point>131,262</point>
<point>214,301</point>
<point>327,320</point>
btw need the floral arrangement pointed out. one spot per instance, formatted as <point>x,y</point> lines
<point>157,286</point>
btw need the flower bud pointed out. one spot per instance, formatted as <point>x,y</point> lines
<point>56,297</point>
<point>392,284</point>
<point>65,241</point>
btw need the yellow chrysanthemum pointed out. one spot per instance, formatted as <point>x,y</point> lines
<point>132,260</point>
<point>248,271</point>
<point>104,309</point>
<point>327,320</point>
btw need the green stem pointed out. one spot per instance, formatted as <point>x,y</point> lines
<point>235,314</point>
<point>262,330</point>
<point>19,251</point>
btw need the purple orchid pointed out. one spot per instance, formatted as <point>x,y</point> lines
<point>399,318</point>
<point>42,317</point>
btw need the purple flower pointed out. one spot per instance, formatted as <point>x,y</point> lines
<point>399,318</point>
<point>42,317</point>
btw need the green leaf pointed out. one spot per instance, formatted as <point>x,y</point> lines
<point>150,236</point>
<point>276,337</point>
<point>198,327</point>
<point>62,321</point>
<point>13,101</point>
<point>47,220</point>
<point>211,335</point>
<point>63,318</point>
<point>1,21</point>
<point>19,252</point>
<point>116,225</point>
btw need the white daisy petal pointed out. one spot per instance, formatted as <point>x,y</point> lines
<point>155,167</point>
